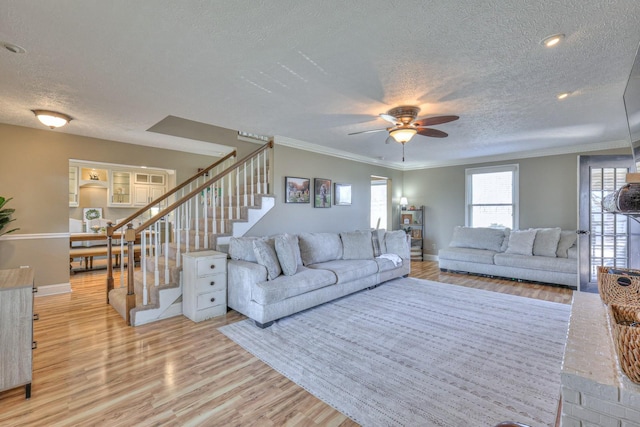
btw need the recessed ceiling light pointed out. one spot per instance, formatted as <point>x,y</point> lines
<point>563,95</point>
<point>553,40</point>
<point>13,48</point>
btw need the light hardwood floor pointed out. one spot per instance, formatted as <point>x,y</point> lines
<point>90,369</point>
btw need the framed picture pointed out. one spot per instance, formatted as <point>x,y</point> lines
<point>407,219</point>
<point>89,214</point>
<point>296,190</point>
<point>416,233</point>
<point>322,193</point>
<point>342,194</point>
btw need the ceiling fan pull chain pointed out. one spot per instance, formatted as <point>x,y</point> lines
<point>403,152</point>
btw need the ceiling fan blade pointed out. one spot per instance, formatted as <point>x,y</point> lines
<point>430,121</point>
<point>389,118</point>
<point>367,131</point>
<point>434,133</point>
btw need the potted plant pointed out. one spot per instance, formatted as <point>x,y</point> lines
<point>5,216</point>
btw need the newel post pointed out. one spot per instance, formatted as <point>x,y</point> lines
<point>109,259</point>
<point>130,236</point>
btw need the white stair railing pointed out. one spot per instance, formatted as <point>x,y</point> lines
<point>188,219</point>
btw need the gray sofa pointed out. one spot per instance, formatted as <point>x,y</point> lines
<point>270,278</point>
<point>547,255</point>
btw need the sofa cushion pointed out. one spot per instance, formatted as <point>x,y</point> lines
<point>395,242</point>
<point>477,238</point>
<point>521,242</point>
<point>241,248</point>
<point>567,240</point>
<point>283,287</point>
<point>265,253</point>
<point>356,245</point>
<point>319,247</point>
<point>546,241</point>
<point>348,270</point>
<point>562,265</point>
<point>288,253</point>
<point>482,256</point>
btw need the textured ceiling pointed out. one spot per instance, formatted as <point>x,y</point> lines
<point>312,72</point>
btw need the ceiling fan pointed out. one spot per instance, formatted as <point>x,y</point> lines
<point>405,125</point>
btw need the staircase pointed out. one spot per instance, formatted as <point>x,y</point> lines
<point>222,201</point>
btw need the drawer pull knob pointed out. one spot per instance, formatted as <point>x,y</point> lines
<point>213,266</point>
<point>212,283</point>
<point>213,299</point>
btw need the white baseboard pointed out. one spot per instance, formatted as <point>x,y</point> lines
<point>60,288</point>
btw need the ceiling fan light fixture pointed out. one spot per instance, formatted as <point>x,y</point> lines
<point>52,119</point>
<point>403,135</point>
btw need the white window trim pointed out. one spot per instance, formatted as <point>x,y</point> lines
<point>493,169</point>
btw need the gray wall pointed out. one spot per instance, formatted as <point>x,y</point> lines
<point>548,195</point>
<point>36,174</point>
<point>296,218</point>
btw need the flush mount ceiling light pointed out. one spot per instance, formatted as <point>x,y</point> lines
<point>553,40</point>
<point>13,48</point>
<point>52,118</point>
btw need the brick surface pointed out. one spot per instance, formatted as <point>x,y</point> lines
<point>603,406</point>
<point>571,396</point>
<point>594,390</point>
<point>568,421</point>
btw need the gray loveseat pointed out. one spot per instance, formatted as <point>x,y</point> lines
<point>270,278</point>
<point>547,255</point>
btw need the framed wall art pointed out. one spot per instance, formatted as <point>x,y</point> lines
<point>297,190</point>
<point>342,194</point>
<point>322,192</point>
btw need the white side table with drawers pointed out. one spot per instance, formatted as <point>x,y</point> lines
<point>204,291</point>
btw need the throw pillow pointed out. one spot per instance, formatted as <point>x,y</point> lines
<point>266,255</point>
<point>546,242</point>
<point>567,240</point>
<point>375,242</point>
<point>505,242</point>
<point>521,242</point>
<point>241,248</point>
<point>288,253</point>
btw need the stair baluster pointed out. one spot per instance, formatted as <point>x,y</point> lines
<point>203,207</point>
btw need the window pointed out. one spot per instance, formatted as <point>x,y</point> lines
<point>379,206</point>
<point>492,197</point>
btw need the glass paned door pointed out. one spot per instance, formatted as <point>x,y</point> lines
<point>604,238</point>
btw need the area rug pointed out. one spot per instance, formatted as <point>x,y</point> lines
<point>420,353</point>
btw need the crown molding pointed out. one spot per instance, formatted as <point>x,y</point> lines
<point>319,149</point>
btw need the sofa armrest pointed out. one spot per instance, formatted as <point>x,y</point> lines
<point>241,276</point>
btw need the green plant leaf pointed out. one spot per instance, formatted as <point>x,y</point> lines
<point>5,216</point>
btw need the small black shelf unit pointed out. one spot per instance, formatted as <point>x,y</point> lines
<point>412,222</point>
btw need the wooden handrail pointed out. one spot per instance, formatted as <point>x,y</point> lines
<point>170,193</point>
<point>227,171</point>
<point>131,234</point>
